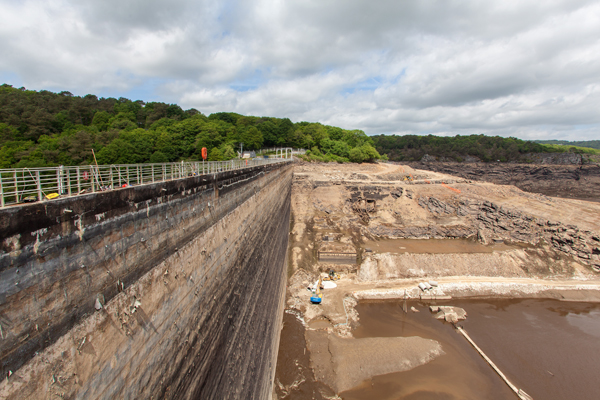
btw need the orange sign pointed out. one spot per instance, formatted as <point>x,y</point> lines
<point>204,153</point>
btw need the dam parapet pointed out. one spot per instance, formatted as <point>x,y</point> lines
<point>166,290</point>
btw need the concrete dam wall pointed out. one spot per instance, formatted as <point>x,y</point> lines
<point>167,290</point>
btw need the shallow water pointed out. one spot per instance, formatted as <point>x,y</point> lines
<point>550,349</point>
<point>436,246</point>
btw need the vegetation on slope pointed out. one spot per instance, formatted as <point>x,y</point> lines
<point>592,144</point>
<point>458,148</point>
<point>43,128</point>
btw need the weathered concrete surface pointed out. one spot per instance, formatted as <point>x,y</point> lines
<point>192,276</point>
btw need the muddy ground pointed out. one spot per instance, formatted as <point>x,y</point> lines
<point>569,181</point>
<point>377,222</point>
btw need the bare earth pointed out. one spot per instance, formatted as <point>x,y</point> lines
<point>508,243</point>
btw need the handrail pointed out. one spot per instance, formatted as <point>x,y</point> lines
<point>22,185</point>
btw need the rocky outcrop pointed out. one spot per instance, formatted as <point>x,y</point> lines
<point>493,223</point>
<point>555,158</point>
<point>568,181</point>
<point>420,232</point>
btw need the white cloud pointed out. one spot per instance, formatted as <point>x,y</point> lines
<point>520,68</point>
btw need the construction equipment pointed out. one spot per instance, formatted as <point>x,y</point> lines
<point>331,276</point>
<point>317,296</point>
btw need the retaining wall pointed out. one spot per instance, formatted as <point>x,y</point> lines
<point>190,275</point>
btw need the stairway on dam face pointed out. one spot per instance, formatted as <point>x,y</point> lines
<point>189,274</point>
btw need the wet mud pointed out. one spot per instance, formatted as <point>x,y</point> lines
<point>459,374</point>
<point>548,348</point>
<point>294,378</point>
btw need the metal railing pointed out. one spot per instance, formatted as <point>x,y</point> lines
<point>278,150</point>
<point>22,185</point>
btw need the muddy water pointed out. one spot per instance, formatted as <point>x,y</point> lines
<point>294,379</point>
<point>435,246</point>
<point>548,348</point>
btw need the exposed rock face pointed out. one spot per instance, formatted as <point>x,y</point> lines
<point>495,223</point>
<point>569,181</point>
<point>419,232</point>
<point>512,263</point>
<point>555,158</point>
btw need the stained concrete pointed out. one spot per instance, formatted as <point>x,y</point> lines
<point>190,274</point>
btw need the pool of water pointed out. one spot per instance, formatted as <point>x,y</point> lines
<point>548,348</point>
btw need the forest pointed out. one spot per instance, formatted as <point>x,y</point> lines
<point>593,144</point>
<point>44,129</point>
<point>458,148</point>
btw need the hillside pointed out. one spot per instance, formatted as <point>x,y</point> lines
<point>39,129</point>
<point>468,148</point>
<point>592,144</point>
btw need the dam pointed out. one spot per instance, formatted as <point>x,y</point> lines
<point>171,289</point>
<point>195,286</point>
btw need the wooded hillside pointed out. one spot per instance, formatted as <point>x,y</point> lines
<point>43,128</point>
<point>459,148</point>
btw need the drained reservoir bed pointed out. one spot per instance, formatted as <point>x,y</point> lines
<point>548,348</point>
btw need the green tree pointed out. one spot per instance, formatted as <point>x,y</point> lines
<point>158,157</point>
<point>227,152</point>
<point>252,138</point>
<point>356,155</point>
<point>101,120</point>
<point>215,154</point>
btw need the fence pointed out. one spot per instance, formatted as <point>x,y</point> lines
<point>23,185</point>
<point>281,150</point>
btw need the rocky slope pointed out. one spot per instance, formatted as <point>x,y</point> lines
<point>568,181</point>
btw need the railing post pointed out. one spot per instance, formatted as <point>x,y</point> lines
<point>78,181</point>
<point>138,175</point>
<point>69,181</point>
<point>92,176</point>
<point>39,185</point>
<point>1,192</point>
<point>152,169</point>
<point>58,181</point>
<point>127,174</point>
<point>119,175</point>
<point>16,187</point>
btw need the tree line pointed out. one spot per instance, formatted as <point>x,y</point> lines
<point>592,144</point>
<point>458,148</point>
<point>42,128</point>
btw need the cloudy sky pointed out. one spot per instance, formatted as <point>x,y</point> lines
<point>529,69</point>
